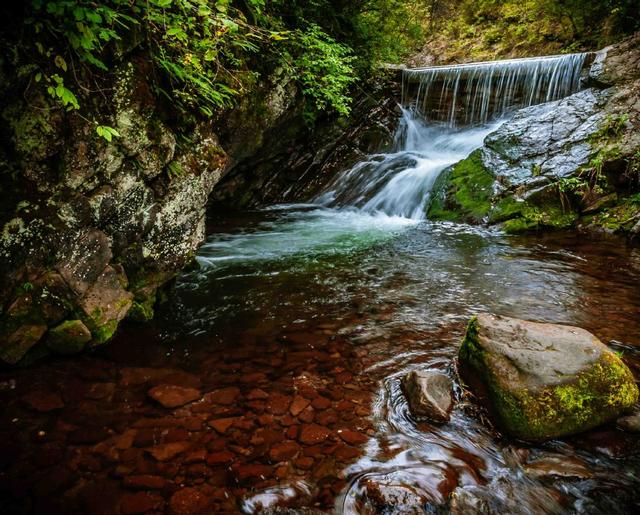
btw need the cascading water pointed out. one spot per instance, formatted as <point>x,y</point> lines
<point>475,93</point>
<point>446,113</point>
<point>399,183</point>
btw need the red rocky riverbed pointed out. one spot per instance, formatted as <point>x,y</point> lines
<point>293,402</point>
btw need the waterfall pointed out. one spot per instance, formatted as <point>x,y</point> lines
<point>472,100</point>
<point>474,93</point>
<point>398,183</point>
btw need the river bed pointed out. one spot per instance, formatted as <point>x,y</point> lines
<point>295,327</point>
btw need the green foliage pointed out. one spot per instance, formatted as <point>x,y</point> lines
<point>323,67</point>
<point>485,29</point>
<point>106,132</point>
<point>200,48</point>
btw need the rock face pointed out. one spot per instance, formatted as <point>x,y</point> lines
<point>557,164</point>
<point>429,394</point>
<point>94,227</point>
<point>544,381</point>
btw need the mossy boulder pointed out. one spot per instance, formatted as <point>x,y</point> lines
<point>464,192</point>
<point>70,337</point>
<point>544,381</point>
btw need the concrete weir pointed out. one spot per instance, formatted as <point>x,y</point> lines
<point>474,93</point>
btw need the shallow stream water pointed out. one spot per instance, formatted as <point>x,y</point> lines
<point>294,327</point>
<point>298,356</point>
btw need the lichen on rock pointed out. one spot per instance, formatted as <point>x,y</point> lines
<point>544,381</point>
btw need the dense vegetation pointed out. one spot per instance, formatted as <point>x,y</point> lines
<point>205,53</point>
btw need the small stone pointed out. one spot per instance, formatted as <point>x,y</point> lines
<point>99,391</point>
<point>298,405</point>
<point>167,451</point>
<point>43,401</point>
<point>559,466</point>
<point>307,415</point>
<point>311,434</point>
<point>257,394</point>
<point>253,470</point>
<point>196,456</point>
<point>278,404</point>
<point>224,396</point>
<point>172,396</point>
<point>304,462</point>
<point>429,394</point>
<point>218,458</point>
<point>70,337</point>
<point>189,501</point>
<point>145,482</point>
<point>284,451</point>
<point>352,437</point>
<point>140,502</point>
<point>221,425</point>
<point>321,403</point>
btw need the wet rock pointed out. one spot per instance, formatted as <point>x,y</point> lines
<point>630,423</point>
<point>189,501</point>
<point>224,397</point>
<point>145,482</point>
<point>390,498</point>
<point>544,381</point>
<point>312,434</point>
<point>222,425</point>
<point>559,466</point>
<point>352,437</point>
<point>298,405</point>
<point>278,404</point>
<point>253,470</point>
<point>140,502</point>
<point>106,303</point>
<point>219,458</point>
<point>321,403</point>
<point>18,342</point>
<point>172,396</point>
<point>70,337</point>
<point>284,451</point>
<point>167,451</point>
<point>43,401</point>
<point>429,394</point>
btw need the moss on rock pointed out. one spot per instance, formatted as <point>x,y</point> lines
<point>70,337</point>
<point>533,409</point>
<point>464,192</point>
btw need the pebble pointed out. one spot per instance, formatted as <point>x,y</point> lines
<point>172,396</point>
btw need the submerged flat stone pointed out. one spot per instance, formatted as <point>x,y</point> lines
<point>544,381</point>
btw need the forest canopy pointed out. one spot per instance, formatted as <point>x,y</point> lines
<point>206,53</point>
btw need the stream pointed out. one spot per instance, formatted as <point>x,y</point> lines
<point>295,326</point>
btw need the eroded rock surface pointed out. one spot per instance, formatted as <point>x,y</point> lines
<point>545,381</point>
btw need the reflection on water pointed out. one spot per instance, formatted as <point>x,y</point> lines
<point>296,327</point>
<point>412,294</point>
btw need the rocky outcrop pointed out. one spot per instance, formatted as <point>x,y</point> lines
<point>572,162</point>
<point>544,381</point>
<point>292,159</point>
<point>429,394</point>
<point>96,226</point>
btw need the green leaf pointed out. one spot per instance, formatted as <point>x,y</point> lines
<point>60,62</point>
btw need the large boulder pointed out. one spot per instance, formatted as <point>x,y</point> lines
<point>544,381</point>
